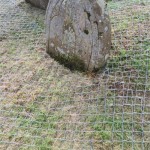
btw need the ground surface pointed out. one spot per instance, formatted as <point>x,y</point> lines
<point>45,106</point>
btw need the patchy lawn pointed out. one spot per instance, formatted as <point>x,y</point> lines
<point>45,106</point>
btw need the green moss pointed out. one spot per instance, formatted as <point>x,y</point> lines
<point>72,62</point>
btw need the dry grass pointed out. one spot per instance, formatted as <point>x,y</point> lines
<point>46,106</point>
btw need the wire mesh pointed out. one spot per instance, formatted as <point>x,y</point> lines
<point>45,106</point>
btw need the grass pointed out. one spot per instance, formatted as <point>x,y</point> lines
<point>45,106</point>
<point>115,123</point>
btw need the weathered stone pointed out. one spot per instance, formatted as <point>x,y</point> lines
<point>39,3</point>
<point>78,33</point>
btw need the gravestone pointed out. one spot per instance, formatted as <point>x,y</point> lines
<point>39,3</point>
<point>78,33</point>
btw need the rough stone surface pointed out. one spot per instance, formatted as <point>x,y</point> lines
<point>39,3</point>
<point>78,33</point>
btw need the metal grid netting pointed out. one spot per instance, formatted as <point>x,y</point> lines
<point>45,106</point>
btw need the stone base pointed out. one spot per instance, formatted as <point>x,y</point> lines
<point>38,3</point>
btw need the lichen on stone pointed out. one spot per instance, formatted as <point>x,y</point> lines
<point>80,31</point>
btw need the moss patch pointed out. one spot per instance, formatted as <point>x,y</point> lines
<point>72,62</point>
